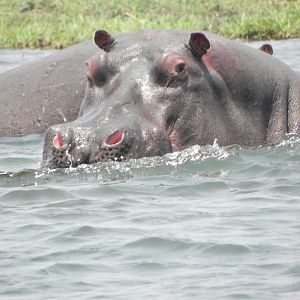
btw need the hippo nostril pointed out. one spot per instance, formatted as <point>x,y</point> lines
<point>116,138</point>
<point>58,141</point>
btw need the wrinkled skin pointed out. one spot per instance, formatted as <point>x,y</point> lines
<point>150,93</point>
<point>154,92</point>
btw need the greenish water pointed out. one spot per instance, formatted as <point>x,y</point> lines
<point>206,223</point>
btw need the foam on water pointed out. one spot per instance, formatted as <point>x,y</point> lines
<point>105,172</point>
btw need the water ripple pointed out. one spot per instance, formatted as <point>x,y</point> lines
<point>206,223</point>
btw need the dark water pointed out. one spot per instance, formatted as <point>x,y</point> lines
<point>206,223</point>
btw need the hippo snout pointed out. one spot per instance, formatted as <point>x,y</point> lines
<point>69,148</point>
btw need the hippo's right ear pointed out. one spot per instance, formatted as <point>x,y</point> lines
<point>198,44</point>
<point>103,40</point>
<point>267,48</point>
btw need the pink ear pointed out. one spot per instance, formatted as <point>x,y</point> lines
<point>198,43</point>
<point>103,40</point>
<point>267,48</point>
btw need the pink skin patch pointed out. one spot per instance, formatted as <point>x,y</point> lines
<point>116,138</point>
<point>58,141</point>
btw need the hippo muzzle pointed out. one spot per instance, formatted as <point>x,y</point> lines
<point>71,149</point>
<point>68,146</point>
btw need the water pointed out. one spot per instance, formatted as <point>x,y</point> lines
<point>206,223</point>
<point>12,58</point>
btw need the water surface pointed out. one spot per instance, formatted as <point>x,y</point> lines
<point>206,223</point>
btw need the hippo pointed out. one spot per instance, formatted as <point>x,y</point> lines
<point>149,93</point>
<point>154,92</point>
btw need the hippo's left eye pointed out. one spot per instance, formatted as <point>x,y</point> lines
<point>100,79</point>
<point>170,70</point>
<point>180,67</point>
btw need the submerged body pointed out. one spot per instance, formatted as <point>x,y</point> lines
<point>154,92</point>
<point>45,92</point>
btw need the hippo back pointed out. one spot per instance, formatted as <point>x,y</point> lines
<point>45,92</point>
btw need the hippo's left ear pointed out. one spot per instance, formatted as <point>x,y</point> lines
<point>198,43</point>
<point>103,40</point>
<point>267,48</point>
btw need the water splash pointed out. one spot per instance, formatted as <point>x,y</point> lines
<point>210,160</point>
<point>184,163</point>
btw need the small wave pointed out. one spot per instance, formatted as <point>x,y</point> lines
<point>69,203</point>
<point>26,177</point>
<point>159,243</point>
<point>22,195</point>
<point>227,249</point>
<point>149,266</point>
<point>67,268</point>
<point>84,231</point>
<point>293,270</point>
<point>239,296</point>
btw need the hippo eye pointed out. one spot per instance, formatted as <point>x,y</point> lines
<point>170,70</point>
<point>100,79</point>
<point>180,67</point>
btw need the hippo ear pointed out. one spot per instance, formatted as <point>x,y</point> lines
<point>267,48</point>
<point>198,43</point>
<point>103,40</point>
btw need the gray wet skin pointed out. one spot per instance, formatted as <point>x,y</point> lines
<point>45,92</point>
<point>154,92</point>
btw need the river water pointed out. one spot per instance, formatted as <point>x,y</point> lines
<point>206,223</point>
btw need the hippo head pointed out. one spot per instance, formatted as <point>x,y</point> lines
<point>140,87</point>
